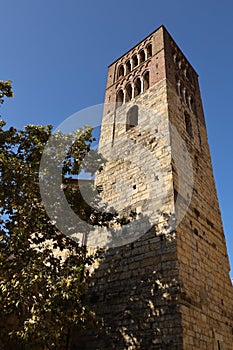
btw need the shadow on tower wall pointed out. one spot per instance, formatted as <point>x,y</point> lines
<point>135,292</point>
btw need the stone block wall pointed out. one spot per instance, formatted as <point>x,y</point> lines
<point>169,286</point>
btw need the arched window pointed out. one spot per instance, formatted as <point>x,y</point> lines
<point>135,60</point>
<point>132,117</point>
<point>142,56</point>
<point>189,76</point>
<point>174,57</point>
<point>188,124</point>
<point>137,87</point>
<point>181,65</point>
<point>119,98</point>
<point>128,93</point>
<point>121,71</point>
<point>128,66</point>
<point>146,84</point>
<point>193,105</point>
<point>149,50</point>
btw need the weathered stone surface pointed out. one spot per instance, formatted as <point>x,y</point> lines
<point>167,289</point>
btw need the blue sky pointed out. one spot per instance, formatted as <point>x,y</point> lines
<point>57,53</point>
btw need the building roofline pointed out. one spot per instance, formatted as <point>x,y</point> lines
<point>179,48</point>
<point>161,26</point>
<point>165,29</point>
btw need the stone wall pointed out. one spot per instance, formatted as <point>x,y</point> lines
<point>167,287</point>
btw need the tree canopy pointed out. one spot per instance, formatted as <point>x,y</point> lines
<point>42,270</point>
<point>5,90</point>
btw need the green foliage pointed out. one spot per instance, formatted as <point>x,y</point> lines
<point>42,271</point>
<point>5,90</point>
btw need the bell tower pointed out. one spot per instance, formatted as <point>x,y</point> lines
<point>167,284</point>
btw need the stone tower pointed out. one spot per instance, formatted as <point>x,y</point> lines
<point>167,286</point>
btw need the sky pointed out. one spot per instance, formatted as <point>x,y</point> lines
<point>56,53</point>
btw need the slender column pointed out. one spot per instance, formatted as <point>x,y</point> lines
<point>184,95</point>
<point>132,90</point>
<point>142,85</point>
<point>131,64</point>
<point>189,103</point>
<point>178,88</point>
<point>124,69</point>
<point>124,92</point>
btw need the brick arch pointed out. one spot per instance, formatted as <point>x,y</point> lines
<point>137,86</point>
<point>128,92</point>
<point>128,65</point>
<point>135,61</point>
<point>142,56</point>
<point>120,71</point>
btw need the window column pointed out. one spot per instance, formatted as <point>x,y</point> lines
<point>142,84</point>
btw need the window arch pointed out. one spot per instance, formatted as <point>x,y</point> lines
<point>128,66</point>
<point>135,61</point>
<point>149,50</point>
<point>146,83</point>
<point>137,87</point>
<point>142,56</point>
<point>119,98</point>
<point>189,76</point>
<point>193,105</point>
<point>181,64</point>
<point>128,92</point>
<point>121,71</point>
<point>132,117</point>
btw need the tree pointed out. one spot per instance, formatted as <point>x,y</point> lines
<point>42,271</point>
<point>5,90</point>
<point>41,293</point>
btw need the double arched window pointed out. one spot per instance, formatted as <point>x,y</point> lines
<point>185,96</point>
<point>133,89</point>
<point>184,67</point>
<point>134,61</point>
